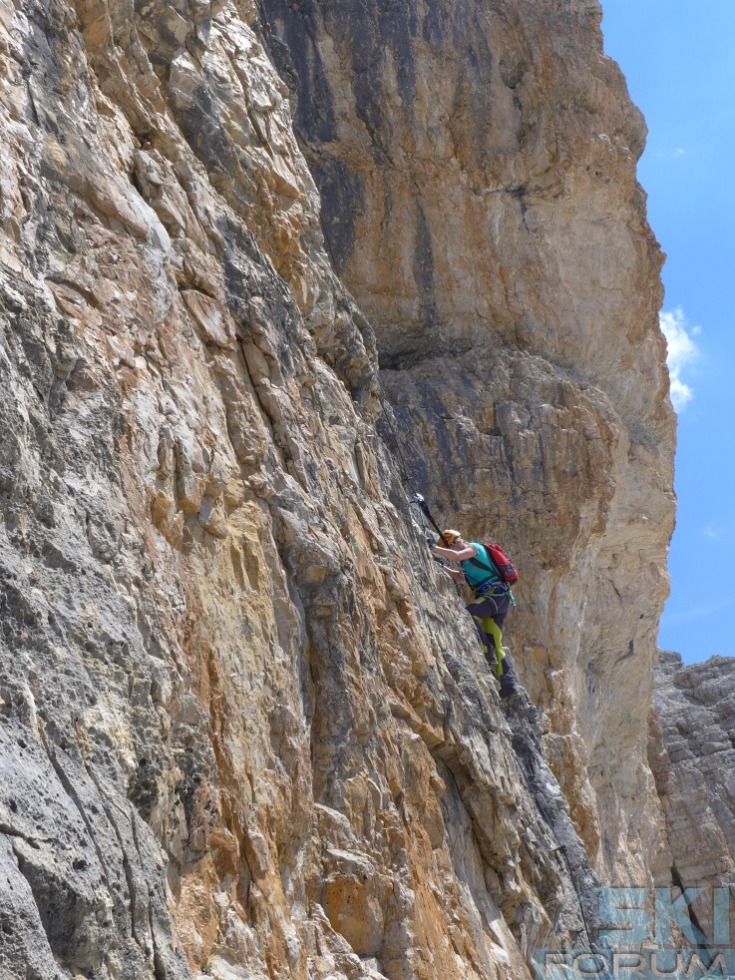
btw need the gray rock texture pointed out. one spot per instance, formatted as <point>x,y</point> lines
<point>246,728</point>
<point>693,760</point>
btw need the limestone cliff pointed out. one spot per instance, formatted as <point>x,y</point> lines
<point>476,164</point>
<point>245,727</point>
<point>692,758</point>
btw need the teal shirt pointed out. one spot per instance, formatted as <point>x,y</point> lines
<point>478,576</point>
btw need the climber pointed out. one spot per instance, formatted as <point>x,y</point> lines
<point>490,603</point>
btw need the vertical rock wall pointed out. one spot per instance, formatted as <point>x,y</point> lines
<point>692,754</point>
<point>477,170</point>
<point>246,731</point>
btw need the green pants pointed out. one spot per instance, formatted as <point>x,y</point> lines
<point>488,613</point>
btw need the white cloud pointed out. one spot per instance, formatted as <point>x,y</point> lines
<point>682,351</point>
<point>668,154</point>
<point>719,531</point>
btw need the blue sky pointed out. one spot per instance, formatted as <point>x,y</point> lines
<point>679,59</point>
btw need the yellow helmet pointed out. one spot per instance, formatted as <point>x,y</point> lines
<point>450,536</point>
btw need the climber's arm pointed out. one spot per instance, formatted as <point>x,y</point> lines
<point>451,555</point>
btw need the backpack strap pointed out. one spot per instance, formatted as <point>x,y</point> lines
<point>481,564</point>
<point>500,586</point>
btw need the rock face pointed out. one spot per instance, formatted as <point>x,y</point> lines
<point>476,164</point>
<point>246,729</point>
<point>693,761</point>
